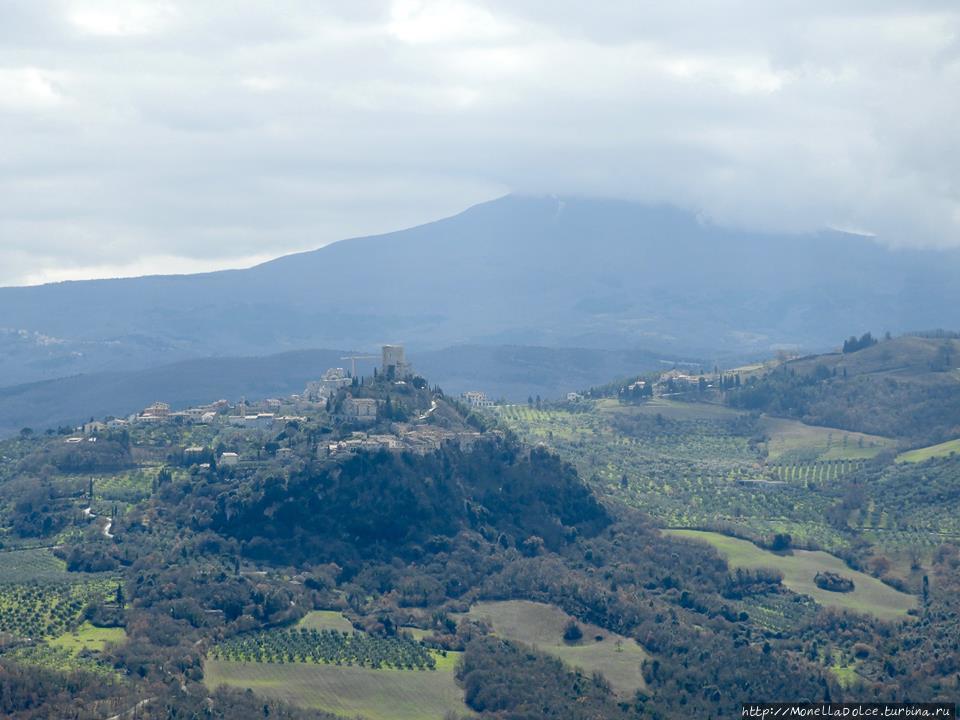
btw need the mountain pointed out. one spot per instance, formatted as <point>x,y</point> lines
<point>519,270</point>
<point>509,372</point>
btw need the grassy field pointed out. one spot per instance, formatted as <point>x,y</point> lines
<point>869,596</point>
<point>89,637</point>
<point>943,449</point>
<point>617,657</point>
<point>791,440</point>
<point>325,620</point>
<point>347,691</point>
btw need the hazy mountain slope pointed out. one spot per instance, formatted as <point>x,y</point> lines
<point>509,372</point>
<point>514,372</point>
<point>518,270</point>
<point>73,399</point>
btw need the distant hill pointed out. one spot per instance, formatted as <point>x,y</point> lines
<point>519,270</point>
<point>509,372</point>
<point>907,387</point>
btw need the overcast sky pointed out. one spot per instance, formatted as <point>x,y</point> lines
<point>143,136</point>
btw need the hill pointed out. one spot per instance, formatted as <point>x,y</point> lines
<point>519,270</point>
<point>907,387</point>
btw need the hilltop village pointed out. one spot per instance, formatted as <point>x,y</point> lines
<point>391,410</point>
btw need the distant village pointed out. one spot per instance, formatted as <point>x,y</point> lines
<point>415,434</point>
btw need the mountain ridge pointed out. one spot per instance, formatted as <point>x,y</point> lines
<point>577,272</point>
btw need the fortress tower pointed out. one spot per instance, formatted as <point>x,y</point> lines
<point>394,363</point>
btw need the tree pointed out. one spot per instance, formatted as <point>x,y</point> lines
<point>853,343</point>
<point>781,542</point>
<point>121,599</point>
<point>572,632</point>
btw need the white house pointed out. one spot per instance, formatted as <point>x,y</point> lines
<point>475,398</point>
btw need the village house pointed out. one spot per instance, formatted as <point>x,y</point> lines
<point>154,413</point>
<point>332,380</point>
<point>360,409</point>
<point>475,398</point>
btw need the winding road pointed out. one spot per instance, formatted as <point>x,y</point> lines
<point>88,513</point>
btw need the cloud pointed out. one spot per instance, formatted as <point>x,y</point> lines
<point>28,88</point>
<point>169,135</point>
<point>120,18</point>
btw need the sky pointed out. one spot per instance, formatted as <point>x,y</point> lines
<point>164,136</point>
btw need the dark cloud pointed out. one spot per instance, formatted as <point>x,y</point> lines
<point>170,135</point>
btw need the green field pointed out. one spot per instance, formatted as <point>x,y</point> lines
<point>799,567</point>
<point>325,620</point>
<point>616,657</point>
<point>347,691</point>
<point>792,440</point>
<point>943,449</point>
<point>89,637</point>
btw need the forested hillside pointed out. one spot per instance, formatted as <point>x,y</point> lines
<point>906,387</point>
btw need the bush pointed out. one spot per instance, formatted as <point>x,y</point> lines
<point>572,632</point>
<point>832,582</point>
<point>781,542</point>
